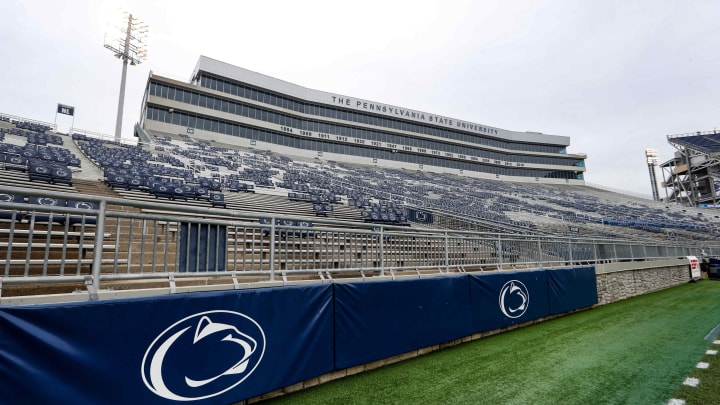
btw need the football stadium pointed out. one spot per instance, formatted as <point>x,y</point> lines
<point>260,239</point>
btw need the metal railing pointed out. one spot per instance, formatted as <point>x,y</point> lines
<point>14,119</point>
<point>124,240</point>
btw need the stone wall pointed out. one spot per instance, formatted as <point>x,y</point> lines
<point>618,281</point>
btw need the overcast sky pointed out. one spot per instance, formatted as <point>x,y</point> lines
<point>615,76</point>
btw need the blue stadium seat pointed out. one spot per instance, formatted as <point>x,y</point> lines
<point>16,163</point>
<point>265,221</point>
<point>322,209</point>
<point>202,193</point>
<point>75,219</point>
<point>161,190</point>
<point>116,181</point>
<point>62,175</point>
<point>135,183</point>
<point>11,198</point>
<point>40,170</point>
<point>178,193</point>
<point>217,200</point>
<point>46,202</point>
<point>306,233</point>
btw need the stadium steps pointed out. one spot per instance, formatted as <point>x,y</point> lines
<point>89,170</point>
<point>40,257</point>
<point>256,203</point>
<point>6,125</point>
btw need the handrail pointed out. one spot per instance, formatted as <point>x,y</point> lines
<point>16,118</point>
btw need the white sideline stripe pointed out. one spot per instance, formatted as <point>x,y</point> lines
<point>713,334</point>
<point>716,342</point>
<point>691,382</point>
<point>674,401</point>
<point>703,365</point>
<point>711,352</point>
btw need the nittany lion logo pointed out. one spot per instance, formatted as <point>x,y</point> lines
<point>514,299</point>
<point>203,355</point>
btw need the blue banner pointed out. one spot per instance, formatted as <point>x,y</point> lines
<point>224,347</point>
<point>420,216</point>
<point>216,347</point>
<point>376,320</point>
<point>570,289</point>
<point>500,299</point>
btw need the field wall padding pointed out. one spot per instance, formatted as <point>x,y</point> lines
<point>224,347</point>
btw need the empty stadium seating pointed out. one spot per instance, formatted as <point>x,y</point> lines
<point>202,165</point>
<point>229,182</point>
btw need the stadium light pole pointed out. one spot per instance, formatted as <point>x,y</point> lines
<point>128,43</point>
<point>651,155</point>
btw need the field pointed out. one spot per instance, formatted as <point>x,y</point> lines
<point>636,351</point>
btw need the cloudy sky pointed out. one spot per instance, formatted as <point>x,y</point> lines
<point>616,76</point>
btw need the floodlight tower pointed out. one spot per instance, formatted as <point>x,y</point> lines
<point>129,43</point>
<point>652,160</point>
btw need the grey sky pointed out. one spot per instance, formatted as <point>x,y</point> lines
<point>614,76</point>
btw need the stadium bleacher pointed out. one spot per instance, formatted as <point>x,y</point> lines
<point>179,171</point>
<point>708,143</point>
<point>185,169</point>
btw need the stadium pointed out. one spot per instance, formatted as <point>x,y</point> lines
<point>259,237</point>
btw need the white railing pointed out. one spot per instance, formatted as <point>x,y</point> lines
<point>147,240</point>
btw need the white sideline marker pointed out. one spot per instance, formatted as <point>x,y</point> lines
<point>716,342</point>
<point>711,352</point>
<point>676,402</point>
<point>703,365</point>
<point>691,382</point>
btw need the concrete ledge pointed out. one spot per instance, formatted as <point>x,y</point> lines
<point>639,265</point>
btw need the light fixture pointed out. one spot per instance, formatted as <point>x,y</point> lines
<point>128,41</point>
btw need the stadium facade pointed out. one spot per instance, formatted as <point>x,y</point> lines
<point>232,105</point>
<point>692,176</point>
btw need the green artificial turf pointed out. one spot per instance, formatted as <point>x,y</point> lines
<point>708,391</point>
<point>636,351</point>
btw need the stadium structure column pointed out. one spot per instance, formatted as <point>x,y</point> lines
<point>121,100</point>
<point>651,156</point>
<point>129,44</point>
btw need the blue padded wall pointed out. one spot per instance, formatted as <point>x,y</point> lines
<point>500,299</point>
<point>375,320</point>
<point>571,289</point>
<point>219,347</point>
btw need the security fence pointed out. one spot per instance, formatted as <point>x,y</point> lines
<point>49,237</point>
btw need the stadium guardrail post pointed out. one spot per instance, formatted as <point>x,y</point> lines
<point>615,255</point>
<point>447,253</point>
<point>382,251</point>
<point>272,248</point>
<point>595,252</point>
<point>570,251</point>
<point>499,252</point>
<point>98,249</point>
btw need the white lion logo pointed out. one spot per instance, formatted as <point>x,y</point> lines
<point>221,337</point>
<point>514,299</point>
